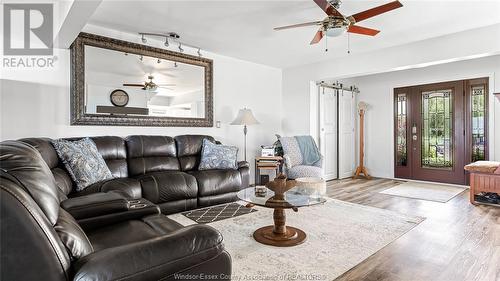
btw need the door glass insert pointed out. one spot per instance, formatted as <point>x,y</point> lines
<point>401,141</point>
<point>437,129</point>
<point>478,122</point>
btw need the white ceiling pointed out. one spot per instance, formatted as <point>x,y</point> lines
<point>244,29</point>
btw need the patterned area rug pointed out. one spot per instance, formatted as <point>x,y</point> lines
<point>425,191</point>
<point>217,213</point>
<point>340,235</point>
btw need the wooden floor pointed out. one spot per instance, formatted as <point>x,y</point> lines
<point>457,241</point>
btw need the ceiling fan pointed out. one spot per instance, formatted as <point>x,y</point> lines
<point>336,24</point>
<point>149,85</point>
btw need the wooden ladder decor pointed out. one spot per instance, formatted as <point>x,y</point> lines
<point>361,169</point>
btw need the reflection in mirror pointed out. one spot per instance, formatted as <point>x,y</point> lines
<point>118,83</point>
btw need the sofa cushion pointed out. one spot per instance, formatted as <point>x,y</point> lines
<point>301,171</point>
<point>148,154</point>
<point>49,155</point>
<point>83,161</point>
<point>114,152</point>
<point>489,167</point>
<point>213,182</point>
<point>218,156</point>
<point>72,236</point>
<point>168,186</point>
<point>23,162</point>
<point>189,150</point>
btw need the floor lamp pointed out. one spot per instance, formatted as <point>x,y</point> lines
<point>361,169</point>
<point>245,117</point>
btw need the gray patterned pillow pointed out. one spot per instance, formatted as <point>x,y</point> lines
<point>218,156</point>
<point>291,150</point>
<point>83,162</point>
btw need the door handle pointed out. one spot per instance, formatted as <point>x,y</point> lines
<point>414,128</point>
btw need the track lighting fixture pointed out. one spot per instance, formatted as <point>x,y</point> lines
<point>175,64</point>
<point>169,36</point>
<point>158,61</point>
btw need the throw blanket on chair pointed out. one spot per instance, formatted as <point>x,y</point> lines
<point>308,149</point>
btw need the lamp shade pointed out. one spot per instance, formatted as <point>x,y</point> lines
<point>245,117</point>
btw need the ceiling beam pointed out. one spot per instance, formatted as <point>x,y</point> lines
<point>77,17</point>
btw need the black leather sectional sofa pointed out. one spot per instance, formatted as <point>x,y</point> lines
<point>116,229</point>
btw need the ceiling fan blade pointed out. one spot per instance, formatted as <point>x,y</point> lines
<point>298,25</point>
<point>329,9</point>
<point>161,84</point>
<point>317,37</point>
<point>133,85</point>
<point>376,11</point>
<point>362,30</point>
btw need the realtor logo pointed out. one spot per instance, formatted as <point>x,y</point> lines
<point>28,29</point>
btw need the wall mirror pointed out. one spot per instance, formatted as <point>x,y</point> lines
<point>120,83</point>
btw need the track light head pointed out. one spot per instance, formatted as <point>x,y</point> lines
<point>166,42</point>
<point>158,61</point>
<point>143,39</point>
<point>141,58</point>
<point>199,52</point>
<point>180,48</point>
<point>175,64</point>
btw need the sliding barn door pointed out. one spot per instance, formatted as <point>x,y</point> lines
<point>328,131</point>
<point>347,121</point>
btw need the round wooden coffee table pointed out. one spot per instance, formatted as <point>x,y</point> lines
<point>281,195</point>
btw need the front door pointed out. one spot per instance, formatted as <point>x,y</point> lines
<point>431,129</point>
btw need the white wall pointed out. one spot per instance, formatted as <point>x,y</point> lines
<point>377,91</point>
<point>35,102</point>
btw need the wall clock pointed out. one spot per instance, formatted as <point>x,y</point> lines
<point>119,98</point>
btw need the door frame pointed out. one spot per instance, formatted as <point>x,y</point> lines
<point>405,172</point>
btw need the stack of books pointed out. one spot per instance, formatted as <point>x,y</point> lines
<point>268,162</point>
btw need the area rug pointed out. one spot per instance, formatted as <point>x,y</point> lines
<point>425,191</point>
<point>217,213</point>
<point>339,236</point>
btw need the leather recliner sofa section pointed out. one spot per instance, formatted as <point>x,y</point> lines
<point>161,169</point>
<point>112,240</point>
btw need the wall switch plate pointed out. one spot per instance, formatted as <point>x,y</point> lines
<point>217,124</point>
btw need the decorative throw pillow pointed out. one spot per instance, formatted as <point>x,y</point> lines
<point>291,150</point>
<point>83,162</point>
<point>218,156</point>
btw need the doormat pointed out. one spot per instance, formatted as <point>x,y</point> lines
<point>217,213</point>
<point>425,191</point>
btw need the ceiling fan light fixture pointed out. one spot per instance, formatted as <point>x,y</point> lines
<point>336,31</point>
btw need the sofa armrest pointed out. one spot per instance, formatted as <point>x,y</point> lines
<point>96,204</point>
<point>155,259</point>
<point>244,169</point>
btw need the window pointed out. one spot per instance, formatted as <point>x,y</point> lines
<point>478,122</point>
<point>401,134</point>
